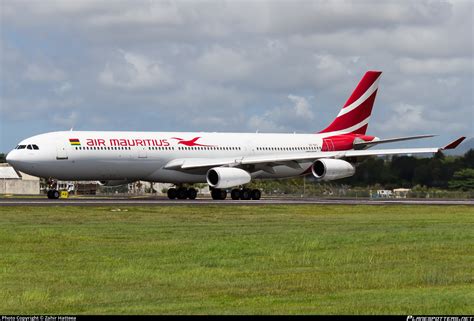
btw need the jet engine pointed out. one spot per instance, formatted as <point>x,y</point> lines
<point>329,169</point>
<point>114,182</point>
<point>224,177</point>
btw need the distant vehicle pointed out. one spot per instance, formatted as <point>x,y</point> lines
<point>222,160</point>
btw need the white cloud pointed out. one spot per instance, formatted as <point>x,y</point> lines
<point>224,64</point>
<point>437,66</point>
<point>134,71</point>
<point>284,118</point>
<point>20,109</point>
<point>40,73</point>
<point>409,119</point>
<point>301,107</point>
<point>63,88</point>
<point>66,120</point>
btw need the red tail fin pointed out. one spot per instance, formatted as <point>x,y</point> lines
<point>354,116</point>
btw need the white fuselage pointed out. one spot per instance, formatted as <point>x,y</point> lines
<point>101,155</point>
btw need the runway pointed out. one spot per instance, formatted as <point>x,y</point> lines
<point>162,201</point>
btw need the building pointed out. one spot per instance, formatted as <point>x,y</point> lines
<point>384,193</point>
<point>17,183</point>
<point>401,192</point>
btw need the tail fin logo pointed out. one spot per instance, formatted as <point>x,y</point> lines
<point>354,115</point>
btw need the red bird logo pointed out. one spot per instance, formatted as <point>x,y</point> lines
<point>191,142</point>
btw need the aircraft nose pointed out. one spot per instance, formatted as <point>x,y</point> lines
<point>11,159</point>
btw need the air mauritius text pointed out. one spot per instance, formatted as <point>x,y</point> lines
<point>126,142</point>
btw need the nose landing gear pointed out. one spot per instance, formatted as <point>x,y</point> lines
<point>53,194</point>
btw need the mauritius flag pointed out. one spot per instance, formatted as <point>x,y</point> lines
<point>74,142</point>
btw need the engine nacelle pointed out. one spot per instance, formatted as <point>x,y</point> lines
<point>329,169</point>
<point>114,182</point>
<point>224,177</point>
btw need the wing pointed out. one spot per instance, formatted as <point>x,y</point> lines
<point>293,159</point>
<point>362,145</point>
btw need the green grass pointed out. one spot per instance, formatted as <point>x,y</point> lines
<point>237,260</point>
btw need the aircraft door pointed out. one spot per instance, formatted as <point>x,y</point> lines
<point>61,150</point>
<point>142,152</point>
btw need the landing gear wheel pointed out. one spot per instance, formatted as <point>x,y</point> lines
<point>255,194</point>
<point>172,193</point>
<point>235,194</point>
<point>223,194</point>
<point>182,193</point>
<point>192,193</point>
<point>219,194</point>
<point>53,194</point>
<point>245,194</point>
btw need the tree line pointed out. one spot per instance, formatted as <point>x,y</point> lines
<point>439,171</point>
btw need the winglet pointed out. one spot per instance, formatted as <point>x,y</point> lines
<point>454,144</point>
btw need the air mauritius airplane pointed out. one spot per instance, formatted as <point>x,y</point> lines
<point>222,160</point>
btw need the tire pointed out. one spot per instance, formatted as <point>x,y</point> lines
<point>215,194</point>
<point>50,194</point>
<point>182,193</point>
<point>223,195</point>
<point>55,194</point>
<point>235,194</point>
<point>219,194</point>
<point>245,194</point>
<point>256,194</point>
<point>172,193</point>
<point>192,193</point>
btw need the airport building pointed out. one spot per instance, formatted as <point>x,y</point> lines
<point>17,183</point>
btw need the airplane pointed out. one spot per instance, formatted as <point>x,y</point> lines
<point>222,160</point>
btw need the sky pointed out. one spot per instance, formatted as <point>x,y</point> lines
<point>234,66</point>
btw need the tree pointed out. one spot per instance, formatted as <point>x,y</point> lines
<point>469,158</point>
<point>3,158</point>
<point>404,167</point>
<point>463,179</point>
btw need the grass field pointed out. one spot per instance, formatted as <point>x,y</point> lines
<point>237,260</point>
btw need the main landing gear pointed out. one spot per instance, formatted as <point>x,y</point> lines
<point>245,194</point>
<point>236,194</point>
<point>182,193</point>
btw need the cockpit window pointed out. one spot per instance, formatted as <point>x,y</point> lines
<point>35,147</point>
<point>21,146</point>
<point>29,147</point>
